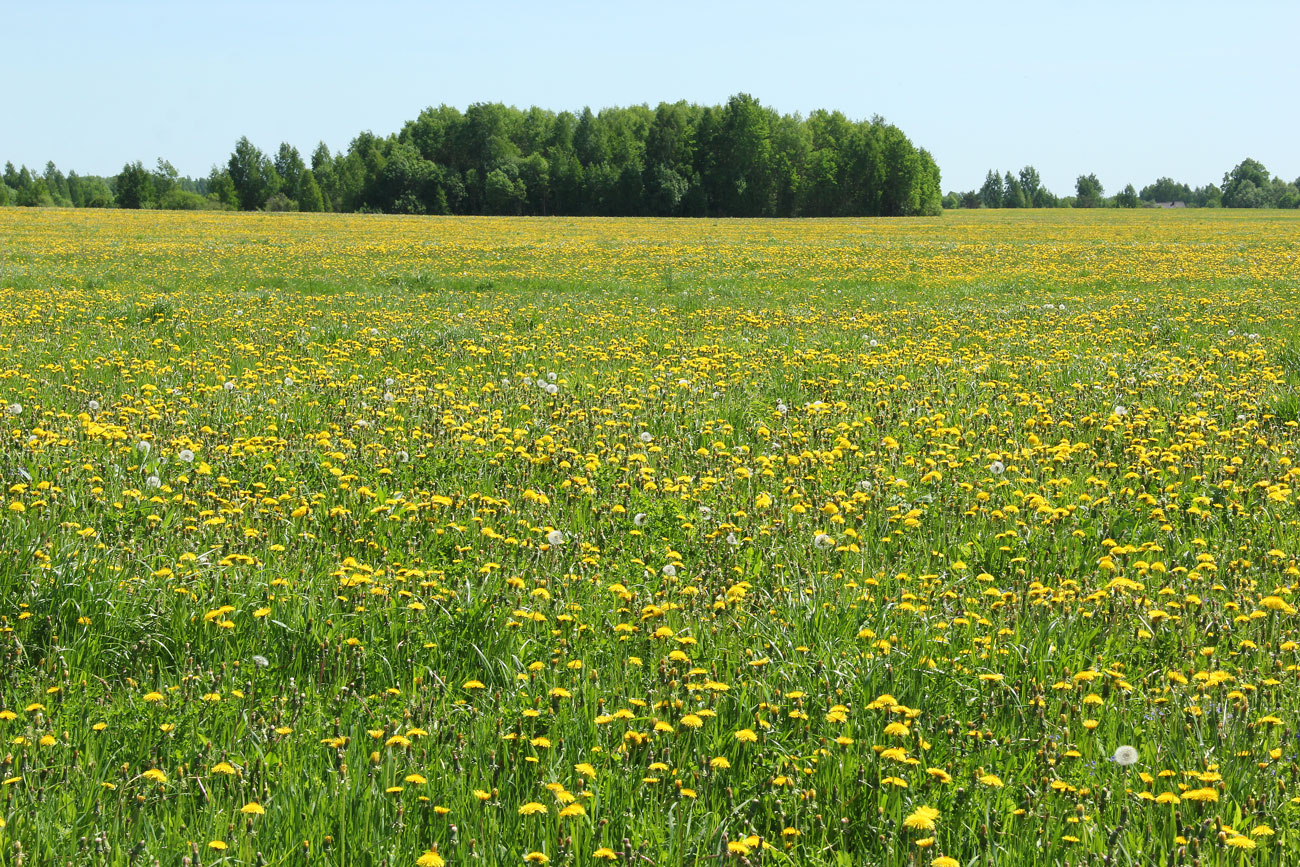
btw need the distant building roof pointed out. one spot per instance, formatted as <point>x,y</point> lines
<point>1171,204</point>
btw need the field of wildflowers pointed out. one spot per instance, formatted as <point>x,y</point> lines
<point>371,540</point>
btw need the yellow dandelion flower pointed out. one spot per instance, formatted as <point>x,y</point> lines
<point>431,859</point>
<point>921,819</point>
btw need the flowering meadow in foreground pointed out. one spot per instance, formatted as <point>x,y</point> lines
<point>354,540</point>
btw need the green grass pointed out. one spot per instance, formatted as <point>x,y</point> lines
<point>900,504</point>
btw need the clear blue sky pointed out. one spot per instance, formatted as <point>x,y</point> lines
<point>1129,90</point>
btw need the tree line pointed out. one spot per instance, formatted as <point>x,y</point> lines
<point>1247,185</point>
<point>741,159</point>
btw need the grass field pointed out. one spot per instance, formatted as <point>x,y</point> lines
<point>371,540</point>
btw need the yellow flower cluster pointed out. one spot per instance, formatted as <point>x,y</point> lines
<point>566,540</point>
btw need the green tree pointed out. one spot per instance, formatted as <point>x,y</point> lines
<point>309,194</point>
<point>34,194</point>
<point>1030,184</point>
<point>90,192</point>
<point>589,140</point>
<point>1166,190</point>
<point>1283,194</point>
<point>164,180</point>
<point>57,185</point>
<point>991,192</point>
<point>134,186</point>
<point>252,174</point>
<point>1127,197</point>
<point>1013,194</point>
<point>221,189</point>
<point>744,158</point>
<point>503,194</point>
<point>1243,186</point>
<point>1088,192</point>
<point>289,166</point>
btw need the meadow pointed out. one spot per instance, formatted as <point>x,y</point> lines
<point>362,540</point>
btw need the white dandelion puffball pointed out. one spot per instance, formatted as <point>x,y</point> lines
<point>640,519</point>
<point>1125,756</point>
<point>997,468</point>
<point>552,388</point>
<point>153,483</point>
<point>14,409</point>
<point>260,661</point>
<point>229,385</point>
<point>143,447</point>
<point>93,406</point>
<point>669,570</point>
<point>555,537</point>
<point>823,542</point>
<point>1121,410</point>
<point>186,455</point>
<point>645,436</point>
<point>288,381</point>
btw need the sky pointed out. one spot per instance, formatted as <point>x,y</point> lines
<point>1130,91</point>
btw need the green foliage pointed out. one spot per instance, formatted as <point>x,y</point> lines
<point>252,174</point>
<point>177,199</point>
<point>1166,190</point>
<point>1127,197</point>
<point>1088,192</point>
<point>741,159</point>
<point>991,192</point>
<point>134,186</point>
<point>309,194</point>
<point>34,194</point>
<point>1245,185</point>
